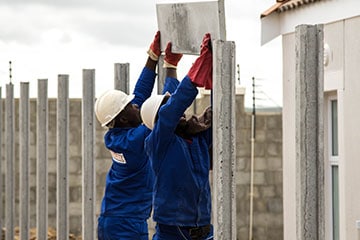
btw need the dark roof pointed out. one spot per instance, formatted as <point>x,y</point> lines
<point>286,5</point>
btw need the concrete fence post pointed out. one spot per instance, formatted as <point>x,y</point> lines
<point>88,156</point>
<point>224,140</point>
<point>1,162</point>
<point>24,131</point>
<point>122,76</point>
<point>309,132</point>
<point>62,190</point>
<point>161,75</point>
<point>10,165</point>
<point>42,160</point>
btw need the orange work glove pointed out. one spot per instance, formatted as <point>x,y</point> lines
<point>171,59</point>
<point>200,72</point>
<point>154,50</point>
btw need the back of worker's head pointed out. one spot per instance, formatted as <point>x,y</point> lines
<point>150,108</point>
<point>110,104</point>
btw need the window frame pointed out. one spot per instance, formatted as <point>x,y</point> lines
<point>332,161</point>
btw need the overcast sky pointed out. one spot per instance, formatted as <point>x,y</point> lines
<point>45,38</point>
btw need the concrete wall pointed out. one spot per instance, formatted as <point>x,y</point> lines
<point>268,219</point>
<point>268,191</point>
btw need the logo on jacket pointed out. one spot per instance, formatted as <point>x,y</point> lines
<point>118,157</point>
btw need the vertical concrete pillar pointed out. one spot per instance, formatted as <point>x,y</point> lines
<point>42,126</point>
<point>62,176</point>
<point>24,139</point>
<point>122,76</point>
<point>161,75</point>
<point>1,162</point>
<point>221,15</point>
<point>224,131</point>
<point>309,132</point>
<point>88,156</point>
<point>10,165</point>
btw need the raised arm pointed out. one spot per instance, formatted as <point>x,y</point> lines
<point>146,80</point>
<point>171,61</point>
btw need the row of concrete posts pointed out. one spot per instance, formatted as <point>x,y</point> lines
<point>224,205</point>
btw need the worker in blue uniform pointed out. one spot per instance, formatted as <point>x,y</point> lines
<point>179,152</point>
<point>127,201</point>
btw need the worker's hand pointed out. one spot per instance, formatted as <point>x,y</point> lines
<point>196,124</point>
<point>154,50</point>
<point>200,72</point>
<point>171,59</point>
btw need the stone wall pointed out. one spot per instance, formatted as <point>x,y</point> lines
<point>268,220</point>
<point>267,188</point>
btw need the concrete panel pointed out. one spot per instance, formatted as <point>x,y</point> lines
<point>184,24</point>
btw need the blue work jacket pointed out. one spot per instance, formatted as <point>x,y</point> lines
<point>181,190</point>
<point>129,182</point>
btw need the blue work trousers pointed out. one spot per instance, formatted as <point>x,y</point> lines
<point>115,228</point>
<point>167,232</point>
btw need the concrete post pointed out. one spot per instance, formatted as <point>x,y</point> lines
<point>161,75</point>
<point>309,132</point>
<point>24,130</point>
<point>10,165</point>
<point>1,171</point>
<point>122,76</point>
<point>224,140</point>
<point>62,191</point>
<point>88,156</point>
<point>221,15</point>
<point>42,126</point>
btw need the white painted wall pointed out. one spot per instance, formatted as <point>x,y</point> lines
<point>333,87</point>
<point>315,13</point>
<point>289,153</point>
<point>351,135</point>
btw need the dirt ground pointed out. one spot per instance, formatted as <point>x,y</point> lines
<point>51,234</point>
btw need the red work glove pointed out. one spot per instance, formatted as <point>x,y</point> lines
<point>200,72</point>
<point>154,50</point>
<point>171,59</point>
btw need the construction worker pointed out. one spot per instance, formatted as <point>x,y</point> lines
<point>127,201</point>
<point>179,154</point>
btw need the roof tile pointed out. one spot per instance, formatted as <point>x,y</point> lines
<point>286,5</point>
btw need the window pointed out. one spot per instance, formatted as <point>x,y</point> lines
<point>334,165</point>
<point>334,128</point>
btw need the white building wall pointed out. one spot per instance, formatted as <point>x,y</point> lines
<point>351,137</point>
<point>289,153</point>
<point>320,12</point>
<point>333,87</point>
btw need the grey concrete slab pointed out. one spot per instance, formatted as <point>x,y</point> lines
<point>184,24</point>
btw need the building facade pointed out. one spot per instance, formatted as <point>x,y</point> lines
<point>340,46</point>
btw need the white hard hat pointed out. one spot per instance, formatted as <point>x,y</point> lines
<point>110,104</point>
<point>150,108</point>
